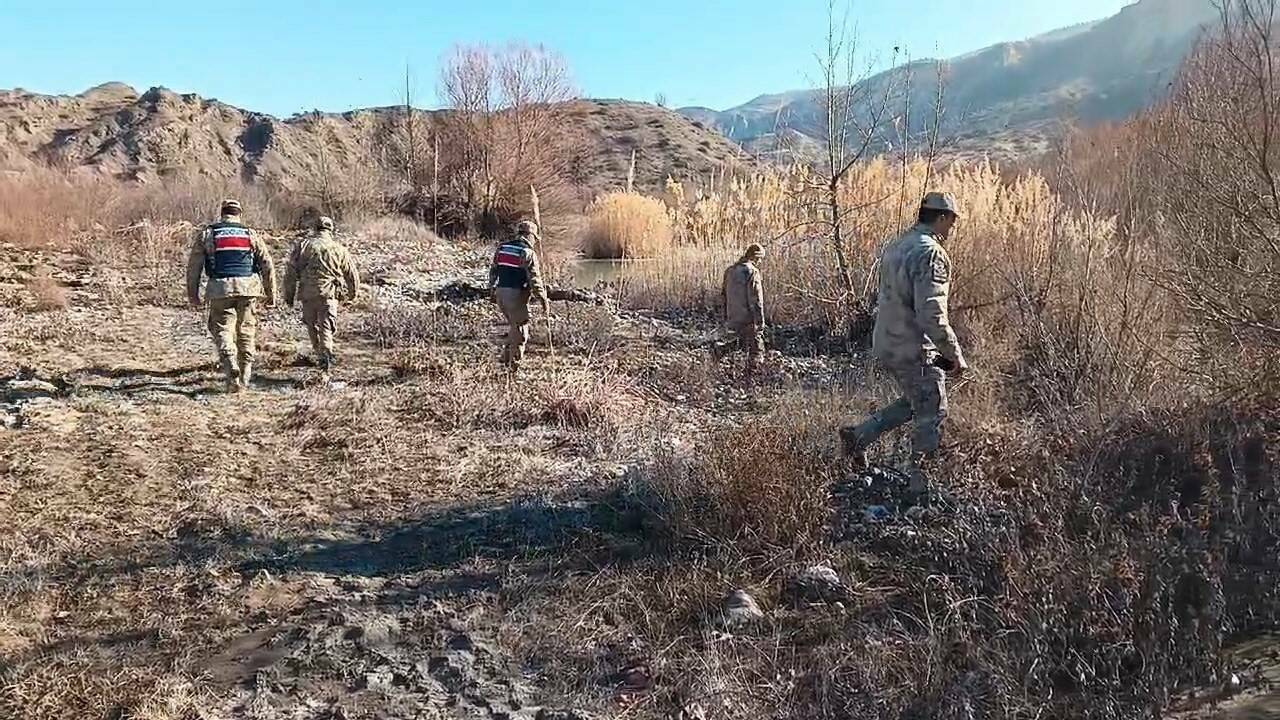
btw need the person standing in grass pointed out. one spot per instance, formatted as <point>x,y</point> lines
<point>913,339</point>
<point>743,294</point>
<point>321,273</point>
<point>239,270</point>
<point>514,278</point>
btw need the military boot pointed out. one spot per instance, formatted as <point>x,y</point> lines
<point>919,476</point>
<point>230,375</point>
<point>854,444</point>
<point>246,374</point>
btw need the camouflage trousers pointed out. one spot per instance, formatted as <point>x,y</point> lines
<point>514,304</point>
<point>748,337</point>
<point>923,404</point>
<point>320,315</point>
<point>235,329</point>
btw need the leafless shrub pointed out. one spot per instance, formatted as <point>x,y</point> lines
<point>342,180</point>
<point>1215,147</point>
<point>147,258</point>
<point>419,361</point>
<point>588,329</point>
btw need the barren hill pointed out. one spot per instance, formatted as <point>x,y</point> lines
<point>115,131</point>
<point>1008,99</point>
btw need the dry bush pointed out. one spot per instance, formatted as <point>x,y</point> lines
<point>1069,576</point>
<point>587,329</point>
<point>42,208</point>
<point>418,361</point>
<point>598,410</point>
<point>1213,163</point>
<point>763,486</point>
<point>340,178</point>
<point>599,403</point>
<point>149,259</point>
<point>626,225</point>
<point>87,684</point>
<point>46,208</point>
<point>396,232</point>
<point>411,326</point>
<point>47,292</point>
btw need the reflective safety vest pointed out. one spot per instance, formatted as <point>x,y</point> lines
<point>232,255</point>
<point>511,263</point>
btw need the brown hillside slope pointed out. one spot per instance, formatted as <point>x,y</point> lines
<point>665,144</point>
<point>112,130</point>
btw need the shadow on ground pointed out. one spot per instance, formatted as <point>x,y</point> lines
<point>596,527</point>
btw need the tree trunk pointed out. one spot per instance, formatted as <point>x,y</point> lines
<point>837,237</point>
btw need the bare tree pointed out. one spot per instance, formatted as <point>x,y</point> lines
<point>854,112</point>
<point>506,128</point>
<point>1217,145</point>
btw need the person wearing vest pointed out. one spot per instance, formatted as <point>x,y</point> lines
<point>239,271</point>
<point>913,339</point>
<point>514,278</point>
<point>321,273</point>
<point>743,295</point>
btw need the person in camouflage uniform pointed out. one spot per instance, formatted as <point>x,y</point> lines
<point>321,273</point>
<point>515,277</point>
<point>913,339</point>
<point>239,271</point>
<point>743,296</point>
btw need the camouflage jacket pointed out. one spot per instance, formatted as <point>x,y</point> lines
<point>743,295</point>
<point>911,318</point>
<point>320,267</point>
<point>261,281</point>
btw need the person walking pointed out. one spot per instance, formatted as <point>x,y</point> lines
<point>239,272</point>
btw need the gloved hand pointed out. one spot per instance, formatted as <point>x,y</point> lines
<point>953,368</point>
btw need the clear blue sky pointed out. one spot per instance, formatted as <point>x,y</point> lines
<point>287,56</point>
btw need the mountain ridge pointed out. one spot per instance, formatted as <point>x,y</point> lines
<point>116,131</point>
<point>1011,98</point>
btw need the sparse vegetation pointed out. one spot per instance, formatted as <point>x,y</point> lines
<point>432,532</point>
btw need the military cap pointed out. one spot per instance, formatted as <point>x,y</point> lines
<point>527,227</point>
<point>940,201</point>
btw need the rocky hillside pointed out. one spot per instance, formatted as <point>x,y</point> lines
<point>1010,98</point>
<point>115,131</point>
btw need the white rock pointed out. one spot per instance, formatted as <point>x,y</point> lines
<point>741,610</point>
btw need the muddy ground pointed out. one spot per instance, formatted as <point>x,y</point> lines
<point>423,537</point>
